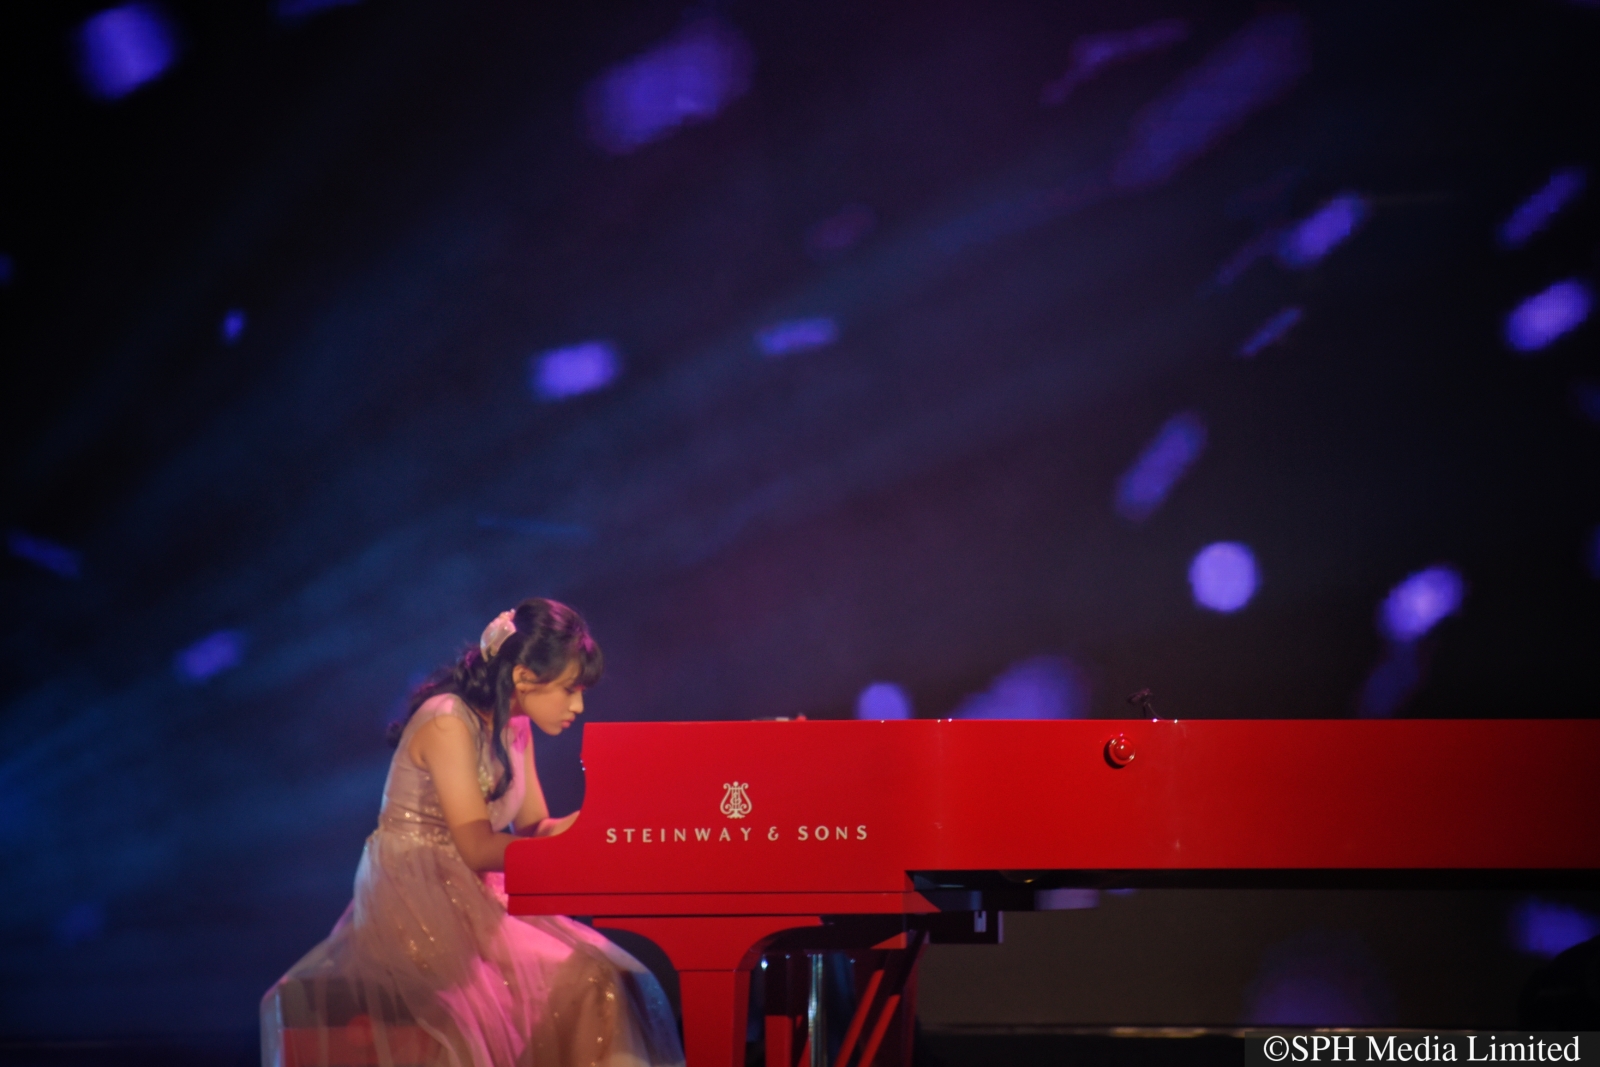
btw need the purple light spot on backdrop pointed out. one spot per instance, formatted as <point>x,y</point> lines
<point>1174,449</point>
<point>1244,74</point>
<point>1066,899</point>
<point>1223,576</point>
<point>1041,687</point>
<point>8,270</point>
<point>123,48</point>
<point>1306,243</point>
<point>295,10</point>
<point>688,78</point>
<point>233,323</point>
<point>841,231</point>
<point>1594,553</point>
<point>80,923</point>
<point>883,700</point>
<point>1319,978</point>
<point>796,335</point>
<point>1535,213</point>
<point>57,559</point>
<point>574,370</point>
<point>1392,682</point>
<point>1419,603</point>
<point>1271,332</point>
<point>1544,317</point>
<point>210,656</point>
<point>1093,53</point>
<point>1547,928</point>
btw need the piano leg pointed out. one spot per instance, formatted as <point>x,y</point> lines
<point>713,955</point>
<point>715,1006</point>
<point>785,1008</point>
<point>885,1020</point>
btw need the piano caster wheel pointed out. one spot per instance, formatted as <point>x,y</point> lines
<point>1119,751</point>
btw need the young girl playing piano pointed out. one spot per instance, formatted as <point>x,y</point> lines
<point>426,966</point>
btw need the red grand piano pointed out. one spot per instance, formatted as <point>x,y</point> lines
<point>722,842</point>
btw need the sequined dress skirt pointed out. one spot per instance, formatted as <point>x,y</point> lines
<point>425,967</point>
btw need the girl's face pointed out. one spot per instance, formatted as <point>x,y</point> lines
<point>553,706</point>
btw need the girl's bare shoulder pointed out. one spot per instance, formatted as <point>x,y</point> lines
<point>442,719</point>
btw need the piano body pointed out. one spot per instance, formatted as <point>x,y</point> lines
<point>724,841</point>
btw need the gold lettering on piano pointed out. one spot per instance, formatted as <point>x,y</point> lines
<point>661,835</point>
<point>736,799</point>
<point>735,805</point>
<point>823,833</point>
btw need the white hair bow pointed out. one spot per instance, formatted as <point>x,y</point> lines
<point>494,635</point>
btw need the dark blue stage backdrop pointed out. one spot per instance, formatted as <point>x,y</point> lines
<point>834,358</point>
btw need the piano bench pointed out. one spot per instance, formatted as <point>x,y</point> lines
<point>341,1033</point>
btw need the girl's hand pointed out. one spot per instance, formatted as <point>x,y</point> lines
<point>549,827</point>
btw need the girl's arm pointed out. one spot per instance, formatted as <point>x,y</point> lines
<point>533,818</point>
<point>446,748</point>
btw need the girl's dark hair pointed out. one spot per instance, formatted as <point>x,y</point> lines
<point>549,637</point>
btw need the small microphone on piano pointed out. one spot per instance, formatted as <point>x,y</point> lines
<point>1142,699</point>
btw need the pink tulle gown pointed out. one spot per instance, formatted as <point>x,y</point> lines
<point>425,967</point>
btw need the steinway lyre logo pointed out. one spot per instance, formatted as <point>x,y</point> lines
<point>736,799</point>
